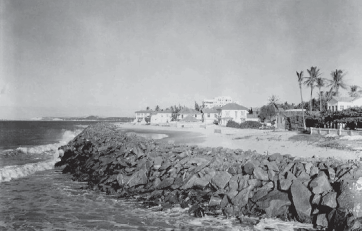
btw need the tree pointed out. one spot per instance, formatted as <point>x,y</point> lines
<point>250,111</point>
<point>354,92</point>
<point>273,100</point>
<point>157,108</point>
<point>300,80</point>
<point>337,81</point>
<point>267,112</point>
<point>311,80</point>
<point>320,82</point>
<point>197,107</point>
<point>147,108</point>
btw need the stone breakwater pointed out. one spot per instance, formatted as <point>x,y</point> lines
<point>214,181</point>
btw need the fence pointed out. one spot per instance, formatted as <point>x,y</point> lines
<point>340,131</point>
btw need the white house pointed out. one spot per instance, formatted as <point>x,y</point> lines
<point>141,115</point>
<point>161,117</point>
<point>210,115</point>
<point>341,103</point>
<point>234,112</point>
<point>189,112</point>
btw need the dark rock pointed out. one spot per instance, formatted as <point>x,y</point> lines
<point>285,183</point>
<point>329,200</point>
<point>322,220</point>
<point>275,204</point>
<point>138,178</point>
<point>320,184</point>
<point>166,183</point>
<point>261,192</point>
<point>157,161</point>
<point>301,197</point>
<point>351,196</point>
<point>275,156</point>
<point>242,198</point>
<point>243,182</point>
<point>220,179</point>
<point>249,167</point>
<point>215,201</point>
<point>316,199</point>
<point>260,174</point>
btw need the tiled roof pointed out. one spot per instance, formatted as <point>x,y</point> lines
<point>144,111</point>
<point>209,110</point>
<point>190,118</point>
<point>233,106</point>
<point>188,111</point>
<point>343,99</point>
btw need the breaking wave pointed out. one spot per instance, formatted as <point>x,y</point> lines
<point>48,152</point>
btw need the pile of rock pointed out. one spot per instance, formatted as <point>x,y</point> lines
<point>217,180</point>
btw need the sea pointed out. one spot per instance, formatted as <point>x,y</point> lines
<point>36,196</point>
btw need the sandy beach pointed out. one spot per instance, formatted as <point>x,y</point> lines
<point>262,141</point>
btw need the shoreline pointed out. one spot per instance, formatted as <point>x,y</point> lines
<point>264,142</point>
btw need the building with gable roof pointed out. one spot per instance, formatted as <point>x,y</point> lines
<point>161,117</point>
<point>142,115</point>
<point>187,112</point>
<point>210,115</point>
<point>341,103</point>
<point>234,112</point>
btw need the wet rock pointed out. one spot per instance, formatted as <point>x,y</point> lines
<point>301,197</point>
<point>320,184</point>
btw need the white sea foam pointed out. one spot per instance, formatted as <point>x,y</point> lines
<point>8,173</point>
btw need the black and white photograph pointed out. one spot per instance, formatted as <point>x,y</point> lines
<point>180,115</point>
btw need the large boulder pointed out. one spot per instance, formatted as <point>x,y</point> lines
<point>275,204</point>
<point>301,200</point>
<point>320,184</point>
<point>350,198</point>
<point>220,179</point>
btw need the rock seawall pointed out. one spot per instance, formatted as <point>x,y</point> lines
<point>216,181</point>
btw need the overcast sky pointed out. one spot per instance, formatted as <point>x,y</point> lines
<point>110,58</point>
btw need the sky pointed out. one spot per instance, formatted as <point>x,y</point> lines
<point>113,57</point>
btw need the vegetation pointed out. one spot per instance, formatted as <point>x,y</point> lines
<point>311,81</point>
<point>300,80</point>
<point>267,112</point>
<point>244,125</point>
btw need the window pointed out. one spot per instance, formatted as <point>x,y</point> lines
<point>329,107</point>
<point>195,116</point>
<point>341,107</point>
<point>208,115</point>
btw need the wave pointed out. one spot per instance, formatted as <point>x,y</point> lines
<point>49,151</point>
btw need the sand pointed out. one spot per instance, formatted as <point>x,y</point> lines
<point>262,141</point>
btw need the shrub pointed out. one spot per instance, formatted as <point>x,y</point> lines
<point>251,124</point>
<point>232,124</point>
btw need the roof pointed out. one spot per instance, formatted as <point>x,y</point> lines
<point>209,110</point>
<point>233,106</point>
<point>190,118</point>
<point>144,111</point>
<point>163,112</point>
<point>343,99</point>
<point>188,111</point>
<point>295,110</point>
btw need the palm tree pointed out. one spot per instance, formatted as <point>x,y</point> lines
<point>310,82</point>
<point>354,92</point>
<point>320,82</point>
<point>300,80</point>
<point>337,81</point>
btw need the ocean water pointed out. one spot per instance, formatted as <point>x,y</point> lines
<point>35,196</point>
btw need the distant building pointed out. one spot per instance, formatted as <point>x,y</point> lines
<point>341,103</point>
<point>142,115</point>
<point>189,112</point>
<point>217,101</point>
<point>161,117</point>
<point>234,112</point>
<point>210,115</point>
